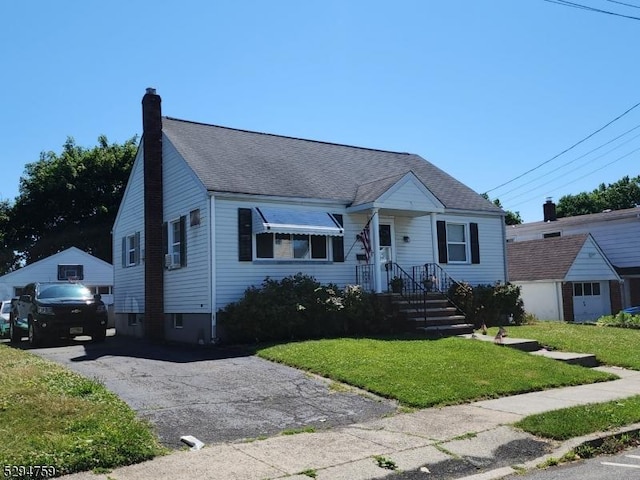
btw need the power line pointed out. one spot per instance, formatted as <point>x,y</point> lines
<point>625,4</point>
<point>565,150</point>
<point>592,9</point>
<point>566,164</point>
<point>583,176</point>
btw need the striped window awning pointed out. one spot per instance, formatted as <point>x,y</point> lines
<point>297,222</point>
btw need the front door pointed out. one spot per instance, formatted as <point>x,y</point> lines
<point>588,301</point>
<point>387,253</point>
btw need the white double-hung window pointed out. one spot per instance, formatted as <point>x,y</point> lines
<point>457,242</point>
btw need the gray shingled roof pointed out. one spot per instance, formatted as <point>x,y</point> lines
<point>543,259</point>
<point>239,161</point>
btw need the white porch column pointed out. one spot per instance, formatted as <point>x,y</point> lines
<point>375,246</point>
<point>434,237</point>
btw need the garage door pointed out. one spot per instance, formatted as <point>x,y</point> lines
<point>590,301</point>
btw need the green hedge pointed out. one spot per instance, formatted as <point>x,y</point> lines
<point>491,305</point>
<point>299,307</point>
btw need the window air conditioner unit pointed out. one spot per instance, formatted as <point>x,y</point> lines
<point>168,260</point>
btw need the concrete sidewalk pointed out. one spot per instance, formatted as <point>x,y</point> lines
<point>472,441</point>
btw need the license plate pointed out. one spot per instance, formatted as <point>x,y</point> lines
<point>75,330</point>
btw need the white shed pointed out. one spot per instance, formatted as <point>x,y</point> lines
<point>70,264</point>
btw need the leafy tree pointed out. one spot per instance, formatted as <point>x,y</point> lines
<point>511,218</point>
<point>625,193</point>
<point>71,199</point>
<point>8,258</point>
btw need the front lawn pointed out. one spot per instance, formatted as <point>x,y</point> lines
<point>425,373</point>
<point>610,345</point>
<point>50,416</point>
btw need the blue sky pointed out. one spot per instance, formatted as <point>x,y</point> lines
<point>484,89</point>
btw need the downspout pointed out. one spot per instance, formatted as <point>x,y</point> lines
<point>212,266</point>
<point>375,246</point>
<point>504,248</point>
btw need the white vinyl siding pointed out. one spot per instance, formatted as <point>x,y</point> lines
<point>234,277</point>
<point>491,268</point>
<point>129,282</point>
<point>187,289</point>
<point>590,265</point>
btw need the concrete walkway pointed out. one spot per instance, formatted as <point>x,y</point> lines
<point>472,441</point>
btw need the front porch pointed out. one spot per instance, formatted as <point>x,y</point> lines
<point>418,298</point>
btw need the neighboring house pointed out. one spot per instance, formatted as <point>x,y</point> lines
<point>209,211</point>
<point>616,232</point>
<point>71,264</point>
<point>564,278</point>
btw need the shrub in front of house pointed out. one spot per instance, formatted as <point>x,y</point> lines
<point>299,307</point>
<point>621,320</point>
<point>491,305</point>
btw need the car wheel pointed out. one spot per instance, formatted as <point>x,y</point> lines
<point>99,336</point>
<point>15,335</point>
<point>34,337</point>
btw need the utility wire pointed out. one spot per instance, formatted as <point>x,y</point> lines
<point>579,178</point>
<point>586,7</point>
<point>503,200</point>
<point>505,194</point>
<point>565,150</point>
<point>625,4</point>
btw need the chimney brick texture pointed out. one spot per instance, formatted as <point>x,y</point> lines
<point>153,217</point>
<point>549,211</point>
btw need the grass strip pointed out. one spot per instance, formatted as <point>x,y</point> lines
<point>54,417</point>
<point>426,373</point>
<point>582,420</point>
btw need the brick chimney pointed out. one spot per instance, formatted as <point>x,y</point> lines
<point>153,217</point>
<point>549,210</point>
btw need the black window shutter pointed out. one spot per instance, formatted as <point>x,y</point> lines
<point>245,253</point>
<point>137,248</point>
<point>124,252</point>
<point>475,244</point>
<point>338,242</point>
<point>165,242</point>
<point>183,241</point>
<point>442,241</point>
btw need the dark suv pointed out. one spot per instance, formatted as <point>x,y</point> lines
<point>55,310</point>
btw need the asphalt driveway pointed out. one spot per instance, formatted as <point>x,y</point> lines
<point>216,394</point>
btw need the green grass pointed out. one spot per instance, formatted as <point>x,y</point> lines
<point>582,420</point>
<point>51,416</point>
<point>426,373</point>
<point>611,346</point>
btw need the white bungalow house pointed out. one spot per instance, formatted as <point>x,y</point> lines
<point>209,211</point>
<point>565,278</point>
<point>70,264</point>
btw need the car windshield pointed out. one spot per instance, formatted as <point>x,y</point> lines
<point>65,291</point>
<point>6,307</point>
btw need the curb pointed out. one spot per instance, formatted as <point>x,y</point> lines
<point>594,439</point>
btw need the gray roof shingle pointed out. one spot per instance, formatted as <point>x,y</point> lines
<point>543,259</point>
<point>240,161</point>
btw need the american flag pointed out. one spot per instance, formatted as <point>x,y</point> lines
<point>363,236</point>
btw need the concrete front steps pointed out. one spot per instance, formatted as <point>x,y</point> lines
<point>532,346</point>
<point>435,316</point>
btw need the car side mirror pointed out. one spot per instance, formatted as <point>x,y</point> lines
<point>25,298</point>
